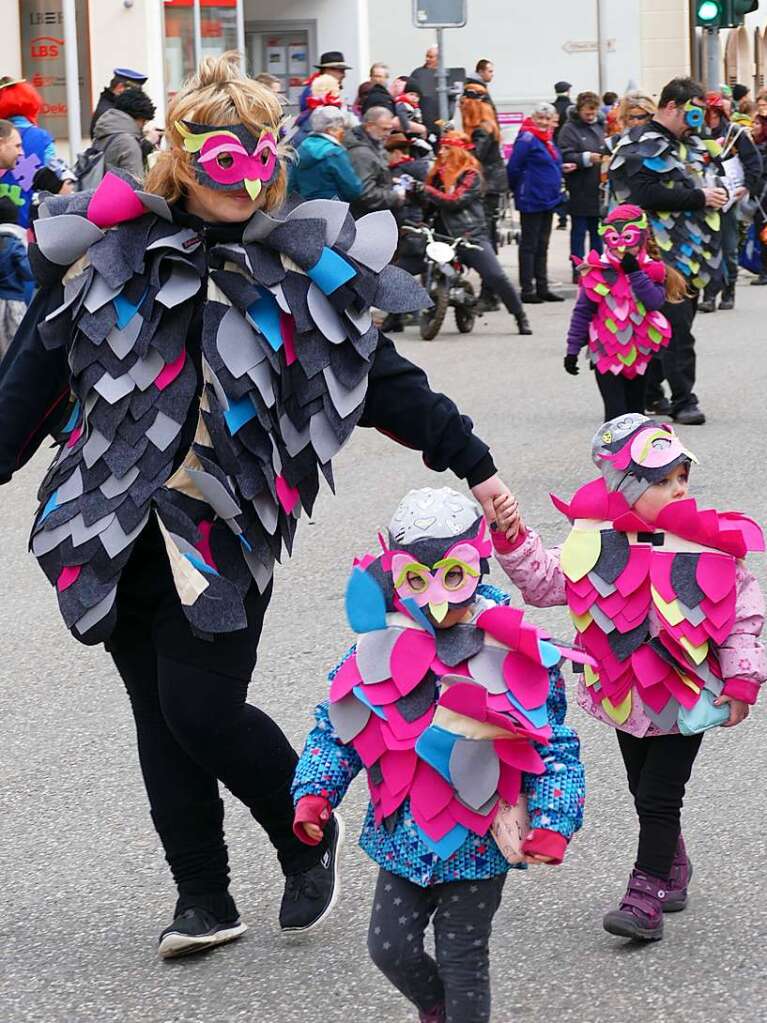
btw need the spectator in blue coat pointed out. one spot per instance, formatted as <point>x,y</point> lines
<point>15,274</point>
<point>535,177</point>
<point>323,169</point>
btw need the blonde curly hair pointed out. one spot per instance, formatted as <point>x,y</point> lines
<point>218,94</point>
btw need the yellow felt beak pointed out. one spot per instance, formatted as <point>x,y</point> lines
<point>438,611</point>
<point>252,187</point>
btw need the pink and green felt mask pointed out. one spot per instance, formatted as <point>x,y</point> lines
<point>623,234</point>
<point>231,158</point>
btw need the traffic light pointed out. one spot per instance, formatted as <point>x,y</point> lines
<point>710,13</point>
<point>715,14</point>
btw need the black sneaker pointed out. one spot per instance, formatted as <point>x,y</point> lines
<point>662,407</point>
<point>550,296</point>
<point>195,930</point>
<point>311,895</point>
<point>692,415</point>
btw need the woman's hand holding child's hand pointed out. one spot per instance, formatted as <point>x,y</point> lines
<point>507,515</point>
<point>312,830</point>
<point>739,710</point>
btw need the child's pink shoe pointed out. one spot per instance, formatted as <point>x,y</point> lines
<point>640,914</point>
<point>435,1015</point>
<point>680,877</point>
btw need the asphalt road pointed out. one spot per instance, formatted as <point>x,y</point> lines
<point>85,890</point>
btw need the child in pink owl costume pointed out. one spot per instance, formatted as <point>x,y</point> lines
<point>617,313</point>
<point>453,705</point>
<point>662,600</point>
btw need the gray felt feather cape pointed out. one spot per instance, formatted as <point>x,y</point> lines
<point>690,240</point>
<point>287,344</point>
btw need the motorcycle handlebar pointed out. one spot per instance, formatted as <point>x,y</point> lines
<point>427,231</point>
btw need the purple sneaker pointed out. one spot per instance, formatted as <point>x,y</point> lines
<point>640,914</point>
<point>679,878</point>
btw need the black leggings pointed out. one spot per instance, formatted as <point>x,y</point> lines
<point>195,729</point>
<point>620,394</point>
<point>676,362</point>
<point>658,768</point>
<point>463,914</point>
<point>485,262</point>
<point>534,252</point>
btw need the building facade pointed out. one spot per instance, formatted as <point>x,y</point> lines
<point>532,46</point>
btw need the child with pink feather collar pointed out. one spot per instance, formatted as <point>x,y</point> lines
<point>662,600</point>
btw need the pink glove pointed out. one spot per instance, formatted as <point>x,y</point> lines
<point>310,810</point>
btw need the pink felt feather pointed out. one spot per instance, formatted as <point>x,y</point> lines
<point>410,659</point>
<point>114,202</point>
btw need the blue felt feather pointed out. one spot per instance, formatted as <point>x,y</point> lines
<point>446,846</point>
<point>359,692</point>
<point>331,271</point>
<point>435,746</point>
<point>365,604</point>
<point>239,413</point>
<point>265,314</point>
<point>417,615</point>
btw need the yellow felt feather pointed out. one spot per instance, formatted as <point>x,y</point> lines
<point>590,677</point>
<point>698,653</point>
<point>580,552</point>
<point>671,612</point>
<point>581,622</point>
<point>620,713</point>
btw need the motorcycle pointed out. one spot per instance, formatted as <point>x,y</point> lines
<point>444,278</point>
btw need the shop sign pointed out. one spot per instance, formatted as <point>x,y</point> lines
<point>42,60</point>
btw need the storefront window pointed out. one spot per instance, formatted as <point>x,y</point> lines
<point>218,32</point>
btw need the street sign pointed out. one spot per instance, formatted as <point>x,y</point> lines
<point>586,46</point>
<point>439,13</point>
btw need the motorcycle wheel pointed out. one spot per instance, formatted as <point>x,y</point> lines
<point>431,320</point>
<point>465,317</point>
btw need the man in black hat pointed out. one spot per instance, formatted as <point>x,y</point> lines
<point>122,78</point>
<point>331,63</point>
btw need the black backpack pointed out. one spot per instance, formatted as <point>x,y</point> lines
<point>90,166</point>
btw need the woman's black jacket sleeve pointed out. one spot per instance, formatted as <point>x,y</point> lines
<point>401,404</point>
<point>34,387</point>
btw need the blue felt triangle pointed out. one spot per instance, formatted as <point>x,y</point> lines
<point>73,417</point>
<point>417,615</point>
<point>199,563</point>
<point>538,716</point>
<point>239,413</point>
<point>265,314</point>
<point>331,271</point>
<point>125,309</point>
<point>365,604</point>
<point>359,692</point>
<point>550,656</point>
<point>446,846</point>
<point>50,504</point>
<point>435,746</point>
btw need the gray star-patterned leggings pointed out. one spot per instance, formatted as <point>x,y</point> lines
<point>463,911</point>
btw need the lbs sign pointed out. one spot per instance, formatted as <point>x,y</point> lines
<point>42,60</point>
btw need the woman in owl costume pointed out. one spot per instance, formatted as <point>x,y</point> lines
<point>202,350</point>
<point>661,598</point>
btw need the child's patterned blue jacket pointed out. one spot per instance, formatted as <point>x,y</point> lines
<point>555,798</point>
